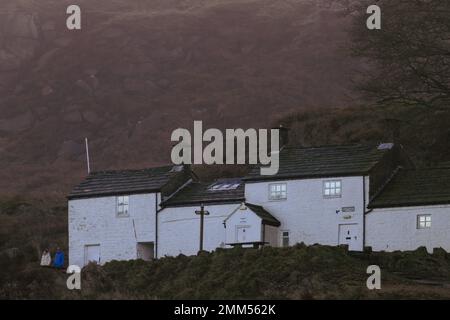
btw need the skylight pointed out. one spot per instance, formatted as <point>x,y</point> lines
<point>177,168</point>
<point>224,185</point>
<point>385,146</point>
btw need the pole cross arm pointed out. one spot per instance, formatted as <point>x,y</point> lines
<point>202,212</point>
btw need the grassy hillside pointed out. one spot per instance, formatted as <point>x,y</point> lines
<point>423,132</point>
<point>27,228</point>
<point>299,272</point>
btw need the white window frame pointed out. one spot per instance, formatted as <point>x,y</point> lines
<point>333,189</point>
<point>123,206</point>
<point>424,223</point>
<point>282,237</point>
<point>272,195</point>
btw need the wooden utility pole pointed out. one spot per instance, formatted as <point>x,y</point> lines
<point>202,212</point>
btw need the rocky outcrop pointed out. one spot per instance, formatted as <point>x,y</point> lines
<point>137,71</point>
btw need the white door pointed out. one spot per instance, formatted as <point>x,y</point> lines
<point>92,254</point>
<point>348,234</point>
<point>241,233</point>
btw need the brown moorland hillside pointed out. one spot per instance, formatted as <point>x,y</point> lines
<point>139,69</point>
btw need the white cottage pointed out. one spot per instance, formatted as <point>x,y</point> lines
<point>357,195</point>
<point>113,214</point>
<point>413,210</point>
<point>320,195</point>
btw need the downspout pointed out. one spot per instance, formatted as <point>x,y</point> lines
<point>156,225</point>
<point>364,212</point>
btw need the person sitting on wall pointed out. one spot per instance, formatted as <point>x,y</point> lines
<point>58,262</point>
<point>46,259</point>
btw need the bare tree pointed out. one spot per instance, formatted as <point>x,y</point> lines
<point>409,58</point>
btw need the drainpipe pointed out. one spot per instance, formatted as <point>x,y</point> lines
<point>156,225</point>
<point>364,212</point>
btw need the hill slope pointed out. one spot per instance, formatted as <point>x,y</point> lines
<point>139,69</point>
<point>299,272</point>
<point>423,132</point>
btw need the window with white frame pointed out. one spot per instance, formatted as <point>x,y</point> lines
<point>122,205</point>
<point>285,238</point>
<point>423,221</point>
<point>332,188</point>
<point>277,191</point>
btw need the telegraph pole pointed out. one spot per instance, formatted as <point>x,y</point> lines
<point>202,212</point>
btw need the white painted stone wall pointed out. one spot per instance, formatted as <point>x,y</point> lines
<point>94,221</point>
<point>272,236</point>
<point>393,229</point>
<point>307,215</point>
<point>179,229</point>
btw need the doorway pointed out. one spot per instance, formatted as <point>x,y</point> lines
<point>145,250</point>
<point>242,234</point>
<point>348,234</point>
<point>92,254</point>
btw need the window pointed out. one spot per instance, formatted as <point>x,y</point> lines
<point>423,221</point>
<point>224,185</point>
<point>285,238</point>
<point>332,188</point>
<point>122,205</point>
<point>277,191</point>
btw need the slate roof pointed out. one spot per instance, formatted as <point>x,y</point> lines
<point>326,161</point>
<point>197,193</point>
<point>417,187</point>
<point>266,217</point>
<point>105,183</point>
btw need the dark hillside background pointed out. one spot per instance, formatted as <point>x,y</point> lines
<point>140,69</point>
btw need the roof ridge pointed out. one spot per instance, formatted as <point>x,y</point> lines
<point>253,205</point>
<point>429,168</point>
<point>230,178</point>
<point>130,170</point>
<point>359,144</point>
<point>386,183</point>
<point>130,181</point>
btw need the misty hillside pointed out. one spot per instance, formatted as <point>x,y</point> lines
<point>424,133</point>
<point>139,69</point>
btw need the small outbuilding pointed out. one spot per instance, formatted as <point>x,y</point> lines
<point>251,225</point>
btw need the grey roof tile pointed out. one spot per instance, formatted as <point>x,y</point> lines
<point>265,215</point>
<point>428,186</point>
<point>304,162</point>
<point>197,193</point>
<point>104,183</point>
